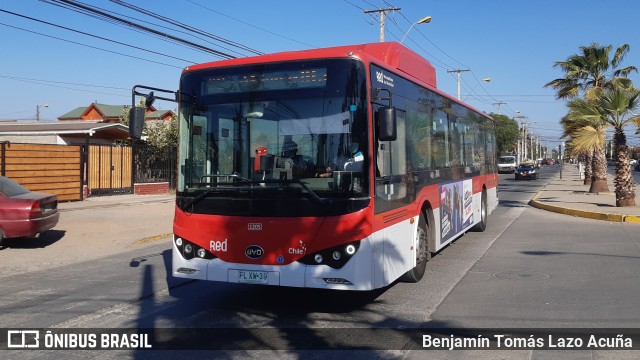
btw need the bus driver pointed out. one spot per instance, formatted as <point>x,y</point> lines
<point>351,163</point>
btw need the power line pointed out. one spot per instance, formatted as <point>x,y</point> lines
<point>368,3</point>
<point>93,10</point>
<point>112,22</point>
<point>350,3</point>
<point>435,45</point>
<point>251,25</point>
<point>44,83</point>
<point>89,46</point>
<point>60,82</point>
<point>470,89</point>
<point>187,27</point>
<point>95,36</point>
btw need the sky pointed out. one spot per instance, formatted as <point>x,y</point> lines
<point>515,43</point>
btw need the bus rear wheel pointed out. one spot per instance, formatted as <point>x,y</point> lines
<point>422,253</point>
<point>482,225</point>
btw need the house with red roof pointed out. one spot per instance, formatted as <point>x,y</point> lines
<point>111,113</point>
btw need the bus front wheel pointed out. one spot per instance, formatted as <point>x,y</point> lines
<point>422,252</point>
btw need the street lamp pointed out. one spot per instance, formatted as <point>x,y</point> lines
<point>487,80</point>
<point>424,20</point>
<point>38,111</point>
<point>461,71</point>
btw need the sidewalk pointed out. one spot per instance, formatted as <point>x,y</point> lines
<point>131,218</point>
<point>113,201</point>
<point>570,196</point>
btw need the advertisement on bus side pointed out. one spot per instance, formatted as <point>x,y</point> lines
<point>456,208</point>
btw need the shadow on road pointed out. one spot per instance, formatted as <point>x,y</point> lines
<point>43,240</point>
<point>228,317</point>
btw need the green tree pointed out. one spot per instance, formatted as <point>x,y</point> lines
<point>589,74</point>
<point>506,134</point>
<point>570,128</point>
<point>615,107</point>
<point>162,133</point>
<point>157,133</point>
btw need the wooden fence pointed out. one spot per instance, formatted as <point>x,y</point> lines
<point>52,169</point>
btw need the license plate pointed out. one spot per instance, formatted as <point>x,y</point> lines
<point>259,277</point>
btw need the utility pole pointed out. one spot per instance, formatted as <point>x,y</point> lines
<point>526,142</point>
<point>458,71</point>
<point>560,158</point>
<point>611,148</point>
<point>498,104</point>
<point>521,139</point>
<point>383,13</point>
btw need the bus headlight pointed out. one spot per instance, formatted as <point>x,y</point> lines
<point>189,250</point>
<point>350,249</point>
<point>334,257</point>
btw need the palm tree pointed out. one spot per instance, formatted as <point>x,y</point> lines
<point>616,108</point>
<point>570,128</point>
<point>590,73</point>
<point>619,106</point>
<point>586,126</point>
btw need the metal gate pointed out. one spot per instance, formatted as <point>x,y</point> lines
<point>110,170</point>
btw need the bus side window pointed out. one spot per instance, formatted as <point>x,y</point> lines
<point>419,138</point>
<point>440,142</point>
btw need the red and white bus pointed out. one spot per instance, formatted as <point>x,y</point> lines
<point>336,168</point>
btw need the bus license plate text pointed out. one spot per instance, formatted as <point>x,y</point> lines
<point>260,277</point>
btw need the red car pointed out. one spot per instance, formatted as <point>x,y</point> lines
<point>24,213</point>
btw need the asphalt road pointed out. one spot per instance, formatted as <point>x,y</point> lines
<point>530,268</point>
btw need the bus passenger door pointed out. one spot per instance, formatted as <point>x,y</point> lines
<point>395,238</point>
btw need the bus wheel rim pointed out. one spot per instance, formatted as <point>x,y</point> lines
<point>421,254</point>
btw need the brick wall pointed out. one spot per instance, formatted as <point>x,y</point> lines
<point>151,188</point>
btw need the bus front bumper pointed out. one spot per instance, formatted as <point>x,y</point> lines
<point>356,274</point>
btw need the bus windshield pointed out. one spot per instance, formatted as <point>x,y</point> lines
<point>275,136</point>
<point>507,160</point>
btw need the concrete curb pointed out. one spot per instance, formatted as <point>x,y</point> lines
<point>153,238</point>
<point>583,213</point>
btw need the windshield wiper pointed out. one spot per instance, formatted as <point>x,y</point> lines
<point>233,176</point>
<point>312,195</point>
<point>210,191</point>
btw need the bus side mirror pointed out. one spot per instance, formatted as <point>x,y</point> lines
<point>136,122</point>
<point>387,129</point>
